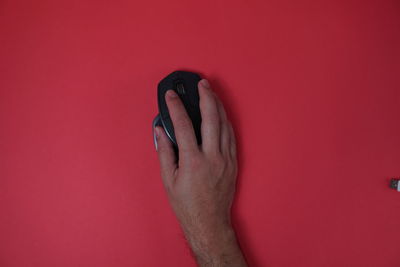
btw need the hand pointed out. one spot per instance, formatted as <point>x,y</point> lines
<point>201,185</point>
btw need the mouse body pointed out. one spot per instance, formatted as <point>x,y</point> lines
<point>185,85</point>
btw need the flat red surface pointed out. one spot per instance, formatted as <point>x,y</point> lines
<point>312,88</point>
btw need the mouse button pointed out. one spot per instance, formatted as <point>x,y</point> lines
<point>193,102</point>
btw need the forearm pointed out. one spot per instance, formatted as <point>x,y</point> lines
<point>215,247</point>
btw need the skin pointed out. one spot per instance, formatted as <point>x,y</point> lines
<point>201,185</point>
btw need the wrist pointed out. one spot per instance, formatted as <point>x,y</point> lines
<point>216,247</point>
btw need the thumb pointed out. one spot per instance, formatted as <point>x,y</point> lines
<point>166,155</point>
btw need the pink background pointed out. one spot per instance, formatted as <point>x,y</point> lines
<point>312,88</point>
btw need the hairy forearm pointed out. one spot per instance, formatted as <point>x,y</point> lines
<point>215,247</point>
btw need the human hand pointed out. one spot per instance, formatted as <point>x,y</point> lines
<point>201,185</point>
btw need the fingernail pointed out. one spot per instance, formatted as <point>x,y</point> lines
<point>156,134</point>
<point>205,83</point>
<point>171,94</point>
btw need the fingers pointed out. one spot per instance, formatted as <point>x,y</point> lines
<point>217,132</point>
<point>210,116</point>
<point>225,138</point>
<point>232,144</point>
<point>166,155</point>
<point>183,128</point>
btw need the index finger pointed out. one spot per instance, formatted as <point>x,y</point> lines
<point>183,127</point>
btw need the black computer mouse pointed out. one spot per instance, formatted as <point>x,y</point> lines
<point>185,85</point>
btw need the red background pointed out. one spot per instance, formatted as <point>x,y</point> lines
<point>312,88</point>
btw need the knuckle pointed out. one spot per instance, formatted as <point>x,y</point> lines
<point>194,161</point>
<point>218,161</point>
<point>168,181</point>
<point>225,166</point>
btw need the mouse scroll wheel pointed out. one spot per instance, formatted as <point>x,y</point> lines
<point>180,88</point>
